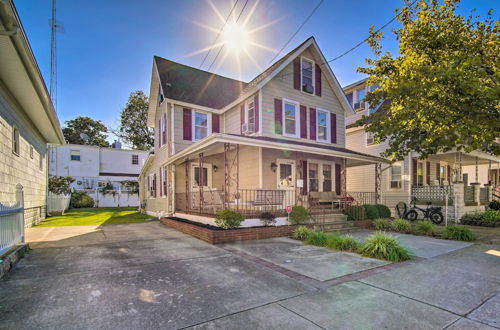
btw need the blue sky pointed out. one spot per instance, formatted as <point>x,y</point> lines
<point>107,47</point>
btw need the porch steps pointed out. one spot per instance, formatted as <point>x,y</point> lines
<point>333,222</point>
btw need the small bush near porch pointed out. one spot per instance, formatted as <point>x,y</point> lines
<point>490,218</point>
<point>96,216</point>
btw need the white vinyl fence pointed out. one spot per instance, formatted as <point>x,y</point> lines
<point>12,222</point>
<point>57,203</point>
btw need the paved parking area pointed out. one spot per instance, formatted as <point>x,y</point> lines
<point>141,276</point>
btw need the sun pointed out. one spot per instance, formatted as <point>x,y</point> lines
<point>236,38</point>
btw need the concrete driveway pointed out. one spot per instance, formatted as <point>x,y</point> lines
<point>141,276</point>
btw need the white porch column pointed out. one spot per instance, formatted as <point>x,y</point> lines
<point>477,189</point>
<point>458,200</point>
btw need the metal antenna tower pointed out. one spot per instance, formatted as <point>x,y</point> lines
<point>55,27</point>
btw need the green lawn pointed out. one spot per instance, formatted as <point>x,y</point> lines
<point>96,216</point>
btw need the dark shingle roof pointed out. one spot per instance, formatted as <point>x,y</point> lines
<point>187,84</point>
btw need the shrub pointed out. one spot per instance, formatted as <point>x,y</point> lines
<point>384,246</point>
<point>371,211</point>
<point>458,233</point>
<point>80,199</point>
<point>342,242</point>
<point>383,211</point>
<point>317,238</point>
<point>298,215</point>
<point>425,227</point>
<point>381,224</point>
<point>355,212</point>
<point>59,185</point>
<point>268,219</point>
<point>228,219</point>
<point>302,232</point>
<point>401,225</point>
<point>490,218</point>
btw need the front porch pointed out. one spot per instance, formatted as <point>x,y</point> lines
<point>254,175</point>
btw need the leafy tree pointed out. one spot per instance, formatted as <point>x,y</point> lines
<point>444,86</point>
<point>133,122</point>
<point>95,130</point>
<point>59,185</point>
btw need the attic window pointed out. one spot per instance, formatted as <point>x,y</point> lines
<point>160,96</point>
<point>307,75</point>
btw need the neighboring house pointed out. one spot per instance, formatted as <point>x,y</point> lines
<point>28,121</point>
<point>94,168</point>
<point>427,179</point>
<point>221,143</point>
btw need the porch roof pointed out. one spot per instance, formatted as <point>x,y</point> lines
<point>213,144</point>
<point>466,159</point>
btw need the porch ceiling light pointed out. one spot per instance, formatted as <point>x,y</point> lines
<point>274,167</point>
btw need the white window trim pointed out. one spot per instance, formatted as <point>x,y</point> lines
<point>328,124</point>
<point>313,75</point>
<point>297,119</point>
<point>294,173</point>
<point>164,171</point>
<point>193,124</point>
<point>320,164</point>
<point>369,145</point>
<point>163,128</point>
<point>16,143</point>
<point>389,177</point>
<point>247,108</point>
<point>209,168</point>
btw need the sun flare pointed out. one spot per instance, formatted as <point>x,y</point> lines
<point>236,38</point>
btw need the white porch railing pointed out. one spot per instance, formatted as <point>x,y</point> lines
<point>12,222</point>
<point>434,194</point>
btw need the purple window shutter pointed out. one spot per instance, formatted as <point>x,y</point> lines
<point>256,111</point>
<point>164,128</point>
<point>159,133</point>
<point>312,124</point>
<point>154,185</point>
<point>438,167</point>
<point>242,117</point>
<point>165,185</point>
<point>338,185</point>
<point>215,123</point>
<point>161,181</point>
<point>186,122</point>
<point>304,177</point>
<point>333,127</point>
<point>414,171</point>
<point>303,121</point>
<point>149,186</point>
<point>317,79</point>
<point>278,115</point>
<point>296,73</point>
<point>428,172</point>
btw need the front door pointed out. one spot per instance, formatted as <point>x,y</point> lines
<point>286,174</point>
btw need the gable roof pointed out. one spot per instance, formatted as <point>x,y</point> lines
<point>187,84</point>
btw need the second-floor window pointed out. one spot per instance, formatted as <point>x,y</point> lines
<point>75,155</point>
<point>200,123</point>
<point>135,159</point>
<point>369,139</point>
<point>15,141</point>
<point>395,176</point>
<point>251,116</point>
<point>322,124</point>
<point>359,105</point>
<point>291,127</point>
<point>307,75</point>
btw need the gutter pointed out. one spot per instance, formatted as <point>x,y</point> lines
<point>9,33</point>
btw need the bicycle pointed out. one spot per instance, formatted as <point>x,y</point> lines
<point>431,212</point>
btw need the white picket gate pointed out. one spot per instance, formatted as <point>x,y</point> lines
<point>57,203</point>
<point>12,222</point>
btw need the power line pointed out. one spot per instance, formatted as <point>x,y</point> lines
<point>297,31</point>
<point>218,34</point>
<point>220,49</point>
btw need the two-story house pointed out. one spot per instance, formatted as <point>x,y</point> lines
<point>276,141</point>
<point>427,179</point>
<point>95,167</point>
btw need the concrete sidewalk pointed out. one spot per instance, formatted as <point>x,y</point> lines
<point>141,276</point>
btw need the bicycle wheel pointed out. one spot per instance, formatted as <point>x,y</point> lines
<point>436,217</point>
<point>411,215</point>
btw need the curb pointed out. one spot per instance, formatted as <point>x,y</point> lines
<point>9,260</point>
